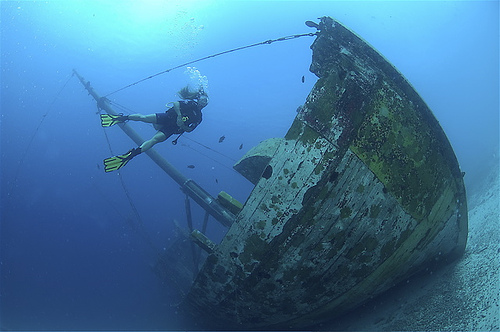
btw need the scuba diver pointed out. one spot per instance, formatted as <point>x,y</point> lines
<point>184,116</point>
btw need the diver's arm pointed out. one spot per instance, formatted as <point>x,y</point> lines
<point>197,118</point>
<point>181,120</point>
<point>177,108</point>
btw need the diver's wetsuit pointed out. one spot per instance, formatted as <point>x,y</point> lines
<point>167,122</point>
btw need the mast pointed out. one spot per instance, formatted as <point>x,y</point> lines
<point>191,188</point>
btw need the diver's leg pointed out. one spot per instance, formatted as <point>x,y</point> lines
<point>157,138</point>
<point>149,118</point>
<point>117,162</point>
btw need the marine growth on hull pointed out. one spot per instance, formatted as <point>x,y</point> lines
<point>363,191</point>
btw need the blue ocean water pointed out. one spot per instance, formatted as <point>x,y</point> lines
<point>73,255</point>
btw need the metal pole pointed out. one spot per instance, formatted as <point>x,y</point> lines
<point>191,188</point>
<point>190,226</point>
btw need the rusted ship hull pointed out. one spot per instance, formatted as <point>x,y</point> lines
<point>363,191</point>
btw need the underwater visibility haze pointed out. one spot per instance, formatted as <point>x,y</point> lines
<point>78,245</point>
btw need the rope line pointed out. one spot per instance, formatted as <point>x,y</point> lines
<point>209,148</point>
<point>121,107</point>
<point>25,153</point>
<point>140,229</point>
<point>207,156</point>
<point>267,42</point>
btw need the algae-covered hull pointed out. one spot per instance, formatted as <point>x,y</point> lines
<point>363,191</point>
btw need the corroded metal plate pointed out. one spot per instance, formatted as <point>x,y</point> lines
<point>364,191</point>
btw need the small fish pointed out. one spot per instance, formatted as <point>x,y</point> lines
<point>98,167</point>
<point>303,79</point>
<point>216,181</point>
<point>222,138</point>
<point>241,146</point>
<point>190,166</point>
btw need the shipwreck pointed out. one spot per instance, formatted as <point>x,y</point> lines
<point>362,192</point>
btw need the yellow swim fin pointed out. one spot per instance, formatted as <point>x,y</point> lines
<point>117,162</point>
<point>107,120</point>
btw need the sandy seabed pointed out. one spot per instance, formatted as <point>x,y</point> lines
<point>461,296</point>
